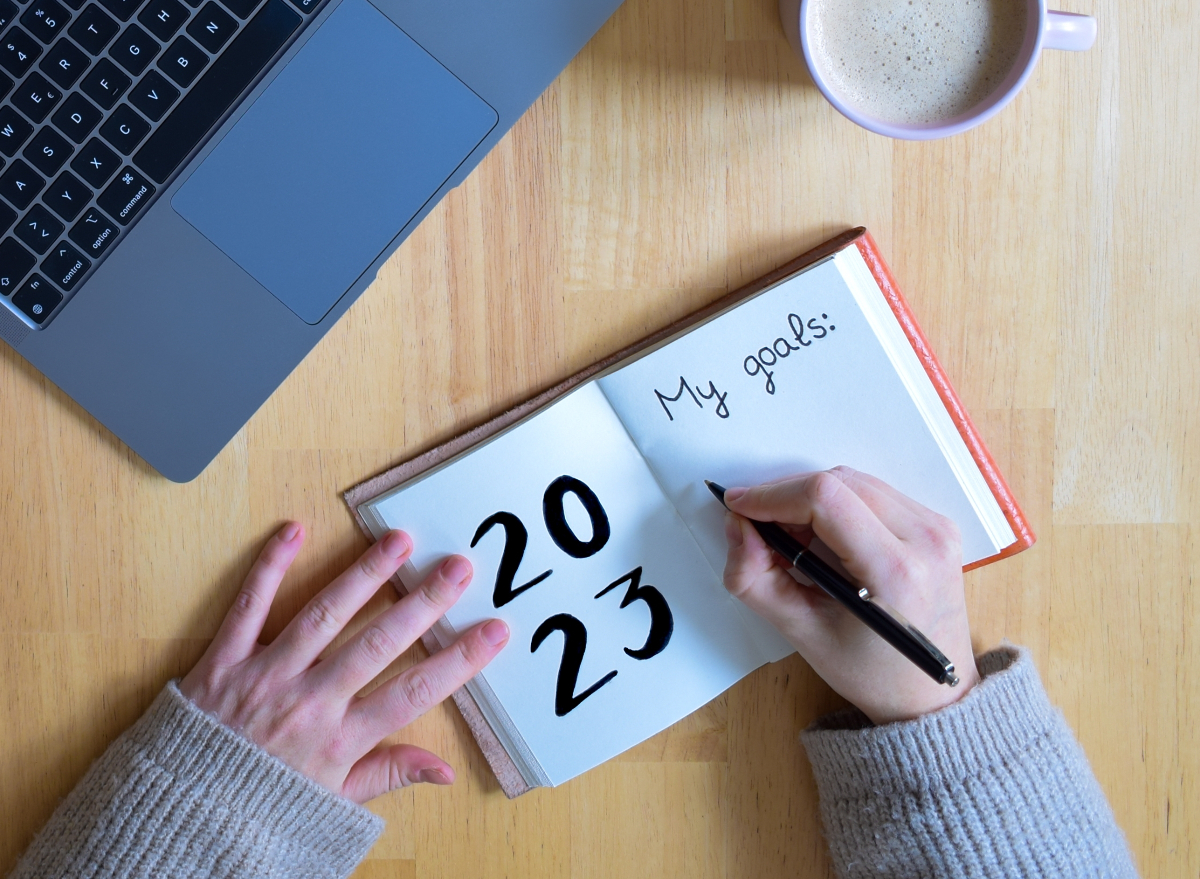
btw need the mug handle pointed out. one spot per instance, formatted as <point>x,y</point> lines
<point>1070,31</point>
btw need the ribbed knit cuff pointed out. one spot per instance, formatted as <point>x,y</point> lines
<point>179,794</point>
<point>999,719</point>
<point>993,785</point>
<point>221,766</point>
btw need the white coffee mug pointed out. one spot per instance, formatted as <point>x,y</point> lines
<point>1045,29</point>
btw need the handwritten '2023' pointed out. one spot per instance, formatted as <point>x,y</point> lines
<point>516,538</point>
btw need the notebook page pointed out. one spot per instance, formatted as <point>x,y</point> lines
<point>673,589</point>
<point>792,380</point>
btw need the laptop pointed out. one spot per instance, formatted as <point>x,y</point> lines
<point>192,192</point>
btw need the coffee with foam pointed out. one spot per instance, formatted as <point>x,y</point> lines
<point>914,62</point>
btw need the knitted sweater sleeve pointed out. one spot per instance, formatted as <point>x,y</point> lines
<point>181,795</point>
<point>994,785</point>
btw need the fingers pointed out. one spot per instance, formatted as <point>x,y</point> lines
<point>364,656</point>
<point>753,577</point>
<point>837,515</point>
<point>237,639</point>
<point>388,768</point>
<point>865,484</point>
<point>915,524</point>
<point>410,694</point>
<point>904,517</point>
<point>315,627</point>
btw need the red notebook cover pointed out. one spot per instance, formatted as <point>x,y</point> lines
<point>506,771</point>
<point>983,458</point>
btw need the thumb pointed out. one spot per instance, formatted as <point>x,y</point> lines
<point>390,767</point>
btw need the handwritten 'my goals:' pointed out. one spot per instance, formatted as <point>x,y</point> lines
<point>764,363</point>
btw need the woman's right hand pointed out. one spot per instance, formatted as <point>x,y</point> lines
<point>902,552</point>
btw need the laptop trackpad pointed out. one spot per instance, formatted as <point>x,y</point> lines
<point>337,155</point>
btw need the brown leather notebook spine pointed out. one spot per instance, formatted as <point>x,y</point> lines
<point>502,765</point>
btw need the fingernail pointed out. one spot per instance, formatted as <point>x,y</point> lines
<point>433,776</point>
<point>396,544</point>
<point>733,531</point>
<point>495,633</point>
<point>455,570</point>
<point>733,494</point>
<point>289,532</point>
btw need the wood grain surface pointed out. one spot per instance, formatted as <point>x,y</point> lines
<point>1050,255</point>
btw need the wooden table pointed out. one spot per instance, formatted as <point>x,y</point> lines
<point>1051,256</point>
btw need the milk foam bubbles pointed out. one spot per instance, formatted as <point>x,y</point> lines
<point>913,62</point>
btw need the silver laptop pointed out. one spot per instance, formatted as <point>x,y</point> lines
<point>193,191</point>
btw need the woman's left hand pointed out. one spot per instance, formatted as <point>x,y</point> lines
<point>304,709</point>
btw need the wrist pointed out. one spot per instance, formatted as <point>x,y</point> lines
<point>916,697</point>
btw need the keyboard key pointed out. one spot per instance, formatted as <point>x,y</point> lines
<point>67,196</point>
<point>126,196</point>
<point>65,63</point>
<point>20,184</point>
<point>65,265</point>
<point>18,51</point>
<point>122,9</point>
<point>212,95</point>
<point>104,84</point>
<point>211,27</point>
<point>37,298</point>
<point>15,263</point>
<point>44,19</point>
<point>76,117</point>
<point>8,11</point>
<point>74,4</point>
<point>305,6</point>
<point>183,61</point>
<point>153,95</point>
<point>48,151</point>
<point>94,233</point>
<point>38,229</point>
<point>95,163</point>
<point>14,131</point>
<point>134,50</point>
<point>93,29</point>
<point>6,85</point>
<point>7,217</point>
<point>163,17</point>
<point>36,97</point>
<point>240,8</point>
<point>124,129</point>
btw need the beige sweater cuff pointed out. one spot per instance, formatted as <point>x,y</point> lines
<point>179,794</point>
<point>993,785</point>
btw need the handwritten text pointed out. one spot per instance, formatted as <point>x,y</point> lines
<point>721,407</point>
<point>760,363</point>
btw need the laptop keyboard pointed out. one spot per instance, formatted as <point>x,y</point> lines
<point>102,103</point>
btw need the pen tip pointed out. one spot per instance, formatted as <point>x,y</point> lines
<point>717,490</point>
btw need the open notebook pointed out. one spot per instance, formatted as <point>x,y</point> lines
<point>592,533</point>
